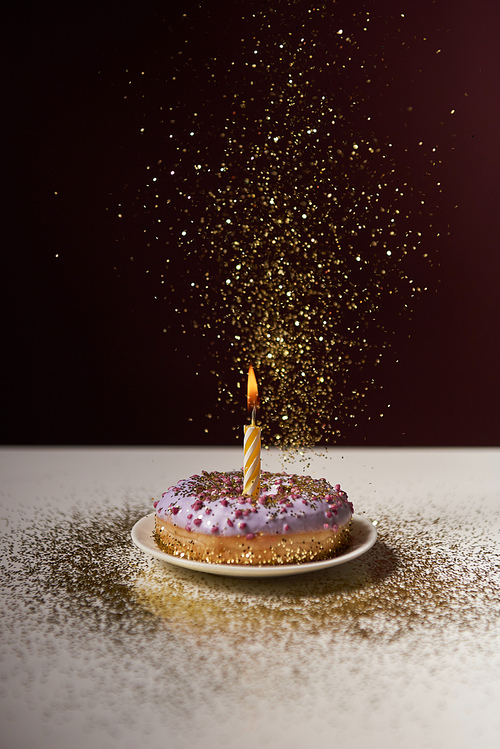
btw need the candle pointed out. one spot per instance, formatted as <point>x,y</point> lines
<point>251,444</point>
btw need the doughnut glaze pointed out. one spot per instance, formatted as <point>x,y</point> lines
<point>294,519</point>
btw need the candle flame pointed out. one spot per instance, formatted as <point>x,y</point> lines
<point>252,391</point>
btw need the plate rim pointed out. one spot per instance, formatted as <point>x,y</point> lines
<point>234,570</point>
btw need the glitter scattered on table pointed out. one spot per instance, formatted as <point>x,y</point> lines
<point>101,643</point>
<point>425,587</point>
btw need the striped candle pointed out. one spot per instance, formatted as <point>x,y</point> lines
<point>251,466</point>
<point>251,443</point>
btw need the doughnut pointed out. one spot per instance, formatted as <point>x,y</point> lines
<point>294,519</point>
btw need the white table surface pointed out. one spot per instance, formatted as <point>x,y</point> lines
<point>103,647</point>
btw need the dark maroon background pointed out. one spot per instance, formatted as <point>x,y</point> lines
<point>84,357</point>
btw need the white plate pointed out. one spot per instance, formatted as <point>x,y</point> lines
<point>363,536</point>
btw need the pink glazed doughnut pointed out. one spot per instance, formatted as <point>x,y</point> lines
<point>294,519</point>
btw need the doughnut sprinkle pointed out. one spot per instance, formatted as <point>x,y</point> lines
<point>293,519</point>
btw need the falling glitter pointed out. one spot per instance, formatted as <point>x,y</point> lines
<point>291,227</point>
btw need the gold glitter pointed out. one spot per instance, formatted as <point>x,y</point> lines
<point>425,589</point>
<point>420,574</point>
<point>261,551</point>
<point>296,231</point>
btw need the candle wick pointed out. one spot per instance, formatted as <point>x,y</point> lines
<point>253,416</point>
